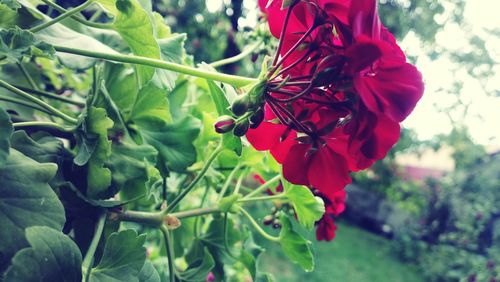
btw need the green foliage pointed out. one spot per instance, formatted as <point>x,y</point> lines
<point>295,247</point>
<point>199,268</point>
<point>123,258</point>
<point>308,208</point>
<point>52,256</point>
<point>26,199</point>
<point>5,132</point>
<point>16,43</point>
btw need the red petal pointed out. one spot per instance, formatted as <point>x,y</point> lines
<point>326,229</point>
<point>296,164</point>
<point>328,171</point>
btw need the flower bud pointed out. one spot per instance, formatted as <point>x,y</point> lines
<point>241,128</point>
<point>268,219</point>
<point>241,105</point>
<point>224,124</point>
<point>257,118</point>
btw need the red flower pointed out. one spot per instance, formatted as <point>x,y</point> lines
<point>334,206</point>
<point>336,91</point>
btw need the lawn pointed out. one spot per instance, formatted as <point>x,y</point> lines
<point>354,255</point>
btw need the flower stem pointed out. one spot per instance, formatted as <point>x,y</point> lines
<point>37,101</point>
<point>149,218</point>
<point>89,256</point>
<point>27,75</point>
<point>51,95</point>
<point>198,177</point>
<point>24,103</point>
<point>228,182</point>
<point>257,227</point>
<point>62,16</point>
<point>42,125</point>
<point>263,198</point>
<point>263,187</point>
<point>234,80</point>
<point>78,18</point>
<point>238,57</point>
<point>170,252</point>
<point>195,212</point>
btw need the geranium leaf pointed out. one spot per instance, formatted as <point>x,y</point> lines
<point>250,254</point>
<point>198,269</point>
<point>123,258</point>
<point>5,132</point>
<point>308,208</point>
<point>122,87</point>
<point>149,273</point>
<point>16,43</point>
<point>12,4</point>
<point>26,199</point>
<point>174,141</point>
<point>95,129</point>
<point>295,247</point>
<point>151,107</point>
<point>52,256</point>
<point>129,167</point>
<point>171,50</point>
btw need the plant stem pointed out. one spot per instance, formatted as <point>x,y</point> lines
<point>263,186</point>
<point>78,18</point>
<point>149,218</point>
<point>27,75</point>
<point>170,252</point>
<point>89,256</point>
<point>43,125</point>
<point>37,101</point>
<point>257,227</point>
<point>263,198</point>
<point>62,16</point>
<point>239,182</point>
<point>195,212</point>
<point>228,182</point>
<point>234,80</point>
<point>51,95</point>
<point>24,103</point>
<point>238,57</point>
<point>198,177</point>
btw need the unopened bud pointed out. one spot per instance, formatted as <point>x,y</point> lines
<point>276,224</point>
<point>268,219</point>
<point>224,124</point>
<point>241,128</point>
<point>241,105</point>
<point>257,118</point>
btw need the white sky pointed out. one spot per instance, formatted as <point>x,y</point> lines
<point>483,118</point>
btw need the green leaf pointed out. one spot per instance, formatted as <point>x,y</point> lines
<point>122,87</point>
<point>5,132</point>
<point>26,199</point>
<point>151,107</point>
<point>149,273</point>
<point>129,166</point>
<point>123,258</point>
<point>12,4</point>
<point>295,247</point>
<point>46,149</point>
<point>174,142</point>
<point>16,43</point>
<point>198,270</point>
<point>59,34</point>
<point>214,238</point>
<point>308,208</point>
<point>250,254</point>
<point>52,256</point>
<point>97,124</point>
<point>230,141</point>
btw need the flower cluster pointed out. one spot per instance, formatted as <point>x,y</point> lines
<point>337,89</point>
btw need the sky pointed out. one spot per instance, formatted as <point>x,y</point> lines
<point>483,116</point>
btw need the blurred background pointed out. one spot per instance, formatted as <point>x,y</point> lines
<point>430,211</point>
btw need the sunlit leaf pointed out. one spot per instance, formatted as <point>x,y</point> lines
<point>295,247</point>
<point>308,208</point>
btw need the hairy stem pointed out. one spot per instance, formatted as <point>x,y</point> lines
<point>170,252</point>
<point>23,103</point>
<point>198,177</point>
<point>78,18</point>
<point>263,198</point>
<point>234,80</point>
<point>257,227</point>
<point>262,187</point>
<point>37,101</point>
<point>51,95</point>
<point>62,16</point>
<point>89,256</point>
<point>238,57</point>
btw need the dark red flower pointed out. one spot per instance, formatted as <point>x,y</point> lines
<point>334,206</point>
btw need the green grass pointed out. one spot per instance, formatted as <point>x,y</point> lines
<point>354,255</point>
